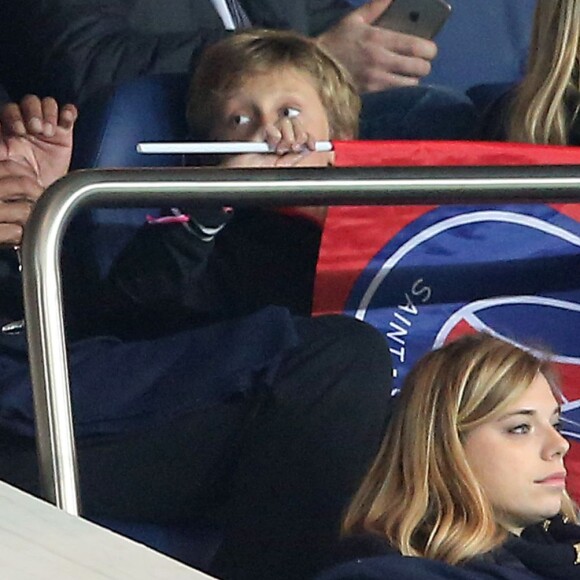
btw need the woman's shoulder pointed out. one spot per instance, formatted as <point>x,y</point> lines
<point>495,115</point>
<point>370,557</point>
<point>358,546</point>
<point>395,566</point>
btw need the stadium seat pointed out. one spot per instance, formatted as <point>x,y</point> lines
<point>150,108</point>
<point>111,125</point>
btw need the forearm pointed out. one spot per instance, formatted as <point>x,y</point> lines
<point>160,282</point>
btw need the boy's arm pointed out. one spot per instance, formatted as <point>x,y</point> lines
<point>160,282</point>
<point>169,278</point>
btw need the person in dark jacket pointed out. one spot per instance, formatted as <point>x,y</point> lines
<point>80,47</point>
<point>75,50</point>
<point>543,107</point>
<point>264,423</point>
<point>4,98</point>
<point>470,481</point>
<point>285,90</point>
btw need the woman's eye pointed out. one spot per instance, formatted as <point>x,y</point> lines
<point>290,112</point>
<point>240,119</point>
<point>520,429</point>
<point>557,426</point>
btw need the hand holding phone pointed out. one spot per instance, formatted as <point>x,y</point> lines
<point>423,18</point>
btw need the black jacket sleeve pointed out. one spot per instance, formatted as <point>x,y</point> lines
<point>171,276</point>
<point>87,46</point>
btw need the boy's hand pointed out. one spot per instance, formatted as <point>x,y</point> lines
<point>40,133</point>
<point>19,190</point>
<point>378,58</point>
<point>292,146</point>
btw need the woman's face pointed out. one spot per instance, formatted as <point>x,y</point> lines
<point>518,458</point>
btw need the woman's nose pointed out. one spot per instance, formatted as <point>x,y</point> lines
<point>559,445</point>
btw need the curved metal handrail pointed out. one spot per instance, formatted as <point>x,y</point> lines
<point>44,234</point>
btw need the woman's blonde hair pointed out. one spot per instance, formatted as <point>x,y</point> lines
<point>547,100</point>
<point>421,494</point>
<point>225,65</point>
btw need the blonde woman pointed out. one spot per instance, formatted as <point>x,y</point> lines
<point>545,105</point>
<point>470,478</point>
<point>543,108</point>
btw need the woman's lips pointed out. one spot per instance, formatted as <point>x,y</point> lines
<point>555,479</point>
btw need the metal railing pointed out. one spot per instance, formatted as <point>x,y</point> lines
<point>144,187</point>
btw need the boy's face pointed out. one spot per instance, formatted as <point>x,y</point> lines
<point>284,101</point>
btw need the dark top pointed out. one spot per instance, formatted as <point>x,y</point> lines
<point>546,550</point>
<point>496,116</point>
<point>4,98</point>
<point>72,49</point>
<point>176,324</point>
<point>261,258</point>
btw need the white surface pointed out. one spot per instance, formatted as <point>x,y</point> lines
<point>224,12</point>
<point>221,147</point>
<point>41,542</point>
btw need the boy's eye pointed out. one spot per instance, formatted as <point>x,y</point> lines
<point>520,429</point>
<point>290,112</point>
<point>240,119</point>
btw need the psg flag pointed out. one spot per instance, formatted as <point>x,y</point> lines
<point>423,275</point>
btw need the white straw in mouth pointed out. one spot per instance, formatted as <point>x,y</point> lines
<point>221,147</point>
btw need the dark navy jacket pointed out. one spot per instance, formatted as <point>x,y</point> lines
<point>147,343</point>
<point>73,49</point>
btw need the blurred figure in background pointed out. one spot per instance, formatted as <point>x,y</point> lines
<point>76,49</point>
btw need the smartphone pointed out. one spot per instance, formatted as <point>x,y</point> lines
<point>423,18</point>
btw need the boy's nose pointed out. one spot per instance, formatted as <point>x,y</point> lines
<point>258,131</point>
<point>265,128</point>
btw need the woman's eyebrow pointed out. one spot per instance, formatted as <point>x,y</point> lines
<point>528,412</point>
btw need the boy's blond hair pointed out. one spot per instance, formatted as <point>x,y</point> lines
<point>225,65</point>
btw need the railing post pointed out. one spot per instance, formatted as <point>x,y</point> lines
<point>45,231</point>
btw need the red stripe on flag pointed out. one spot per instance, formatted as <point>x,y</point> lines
<point>450,153</point>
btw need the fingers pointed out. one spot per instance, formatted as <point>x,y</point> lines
<point>370,11</point>
<point>378,58</point>
<point>15,213</point>
<point>407,45</point>
<point>18,182</point>
<point>11,120</point>
<point>68,116</point>
<point>49,116</point>
<point>19,191</point>
<point>37,117</point>
<point>288,136</point>
<point>10,234</point>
